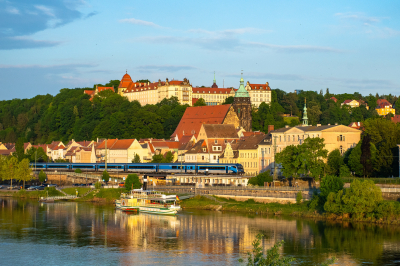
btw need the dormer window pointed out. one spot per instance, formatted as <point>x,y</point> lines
<point>216,141</point>
<point>204,149</point>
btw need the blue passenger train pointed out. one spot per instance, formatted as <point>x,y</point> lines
<point>185,168</point>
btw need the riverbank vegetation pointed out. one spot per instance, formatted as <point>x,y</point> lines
<point>362,201</point>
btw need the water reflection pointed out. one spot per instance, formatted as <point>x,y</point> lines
<point>81,233</point>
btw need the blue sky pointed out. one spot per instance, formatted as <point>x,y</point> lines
<point>346,46</point>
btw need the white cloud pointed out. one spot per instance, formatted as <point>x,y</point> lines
<point>46,10</point>
<point>138,22</point>
<point>12,10</point>
<point>359,17</point>
<point>295,48</point>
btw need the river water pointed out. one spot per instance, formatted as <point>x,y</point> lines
<point>69,233</point>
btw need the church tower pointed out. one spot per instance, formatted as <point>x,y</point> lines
<point>242,106</point>
<point>305,118</point>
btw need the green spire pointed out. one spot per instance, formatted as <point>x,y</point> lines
<point>305,119</point>
<point>242,92</point>
<point>214,79</point>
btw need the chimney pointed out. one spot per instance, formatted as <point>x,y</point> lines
<point>270,128</point>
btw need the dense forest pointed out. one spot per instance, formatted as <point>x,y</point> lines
<point>321,109</point>
<point>70,115</point>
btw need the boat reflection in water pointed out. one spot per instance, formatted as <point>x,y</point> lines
<point>144,228</point>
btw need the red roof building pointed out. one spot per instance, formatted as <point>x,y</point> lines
<point>395,119</point>
<point>195,117</point>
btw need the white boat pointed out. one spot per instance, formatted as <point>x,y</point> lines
<point>148,201</point>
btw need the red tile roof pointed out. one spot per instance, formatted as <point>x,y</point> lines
<point>213,90</point>
<point>194,117</point>
<point>122,144</point>
<point>382,103</point>
<point>334,99</point>
<point>173,144</point>
<point>105,88</point>
<point>110,142</point>
<point>347,101</point>
<point>194,100</point>
<point>264,87</point>
<point>356,125</point>
<point>396,119</point>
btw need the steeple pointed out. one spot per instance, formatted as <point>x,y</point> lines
<point>242,92</point>
<point>214,82</point>
<point>305,119</point>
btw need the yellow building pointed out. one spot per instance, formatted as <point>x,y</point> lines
<point>213,96</point>
<point>259,93</point>
<point>384,107</point>
<point>355,103</point>
<point>154,92</point>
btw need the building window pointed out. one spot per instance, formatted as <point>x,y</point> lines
<point>341,149</point>
<point>216,141</point>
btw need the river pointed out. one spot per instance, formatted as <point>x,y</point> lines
<point>69,233</point>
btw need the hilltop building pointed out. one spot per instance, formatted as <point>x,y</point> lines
<point>384,107</point>
<point>152,93</point>
<point>96,91</point>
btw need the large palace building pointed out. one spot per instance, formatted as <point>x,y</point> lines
<point>152,93</point>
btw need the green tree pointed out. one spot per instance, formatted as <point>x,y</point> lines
<point>157,158</point>
<point>229,100</point>
<point>200,102</point>
<point>169,157</point>
<point>42,176</point>
<point>143,81</point>
<point>397,107</point>
<point>24,172</point>
<point>355,160</point>
<point>132,182</point>
<point>330,184</point>
<point>260,179</point>
<point>306,159</point>
<point>106,176</point>
<point>335,161</point>
<point>10,169</point>
<point>136,159</point>
<point>362,197</point>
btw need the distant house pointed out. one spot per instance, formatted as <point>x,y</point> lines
<point>96,91</point>
<point>333,99</point>
<point>355,103</point>
<point>356,125</point>
<point>396,119</point>
<point>384,107</point>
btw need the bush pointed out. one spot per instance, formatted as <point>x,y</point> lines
<point>330,184</point>
<point>315,202</point>
<point>299,197</point>
<point>97,185</point>
<point>260,179</point>
<point>78,171</point>
<point>387,209</point>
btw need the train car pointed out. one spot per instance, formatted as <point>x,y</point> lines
<point>171,168</point>
<point>84,166</point>
<point>111,167</point>
<point>142,167</point>
<point>38,166</point>
<point>212,169</point>
<point>58,166</point>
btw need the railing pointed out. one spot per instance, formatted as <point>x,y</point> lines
<point>286,188</point>
<point>60,197</point>
<point>280,192</point>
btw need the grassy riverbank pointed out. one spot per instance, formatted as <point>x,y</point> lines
<point>105,195</point>
<point>296,210</point>
<point>72,190</point>
<point>36,194</point>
